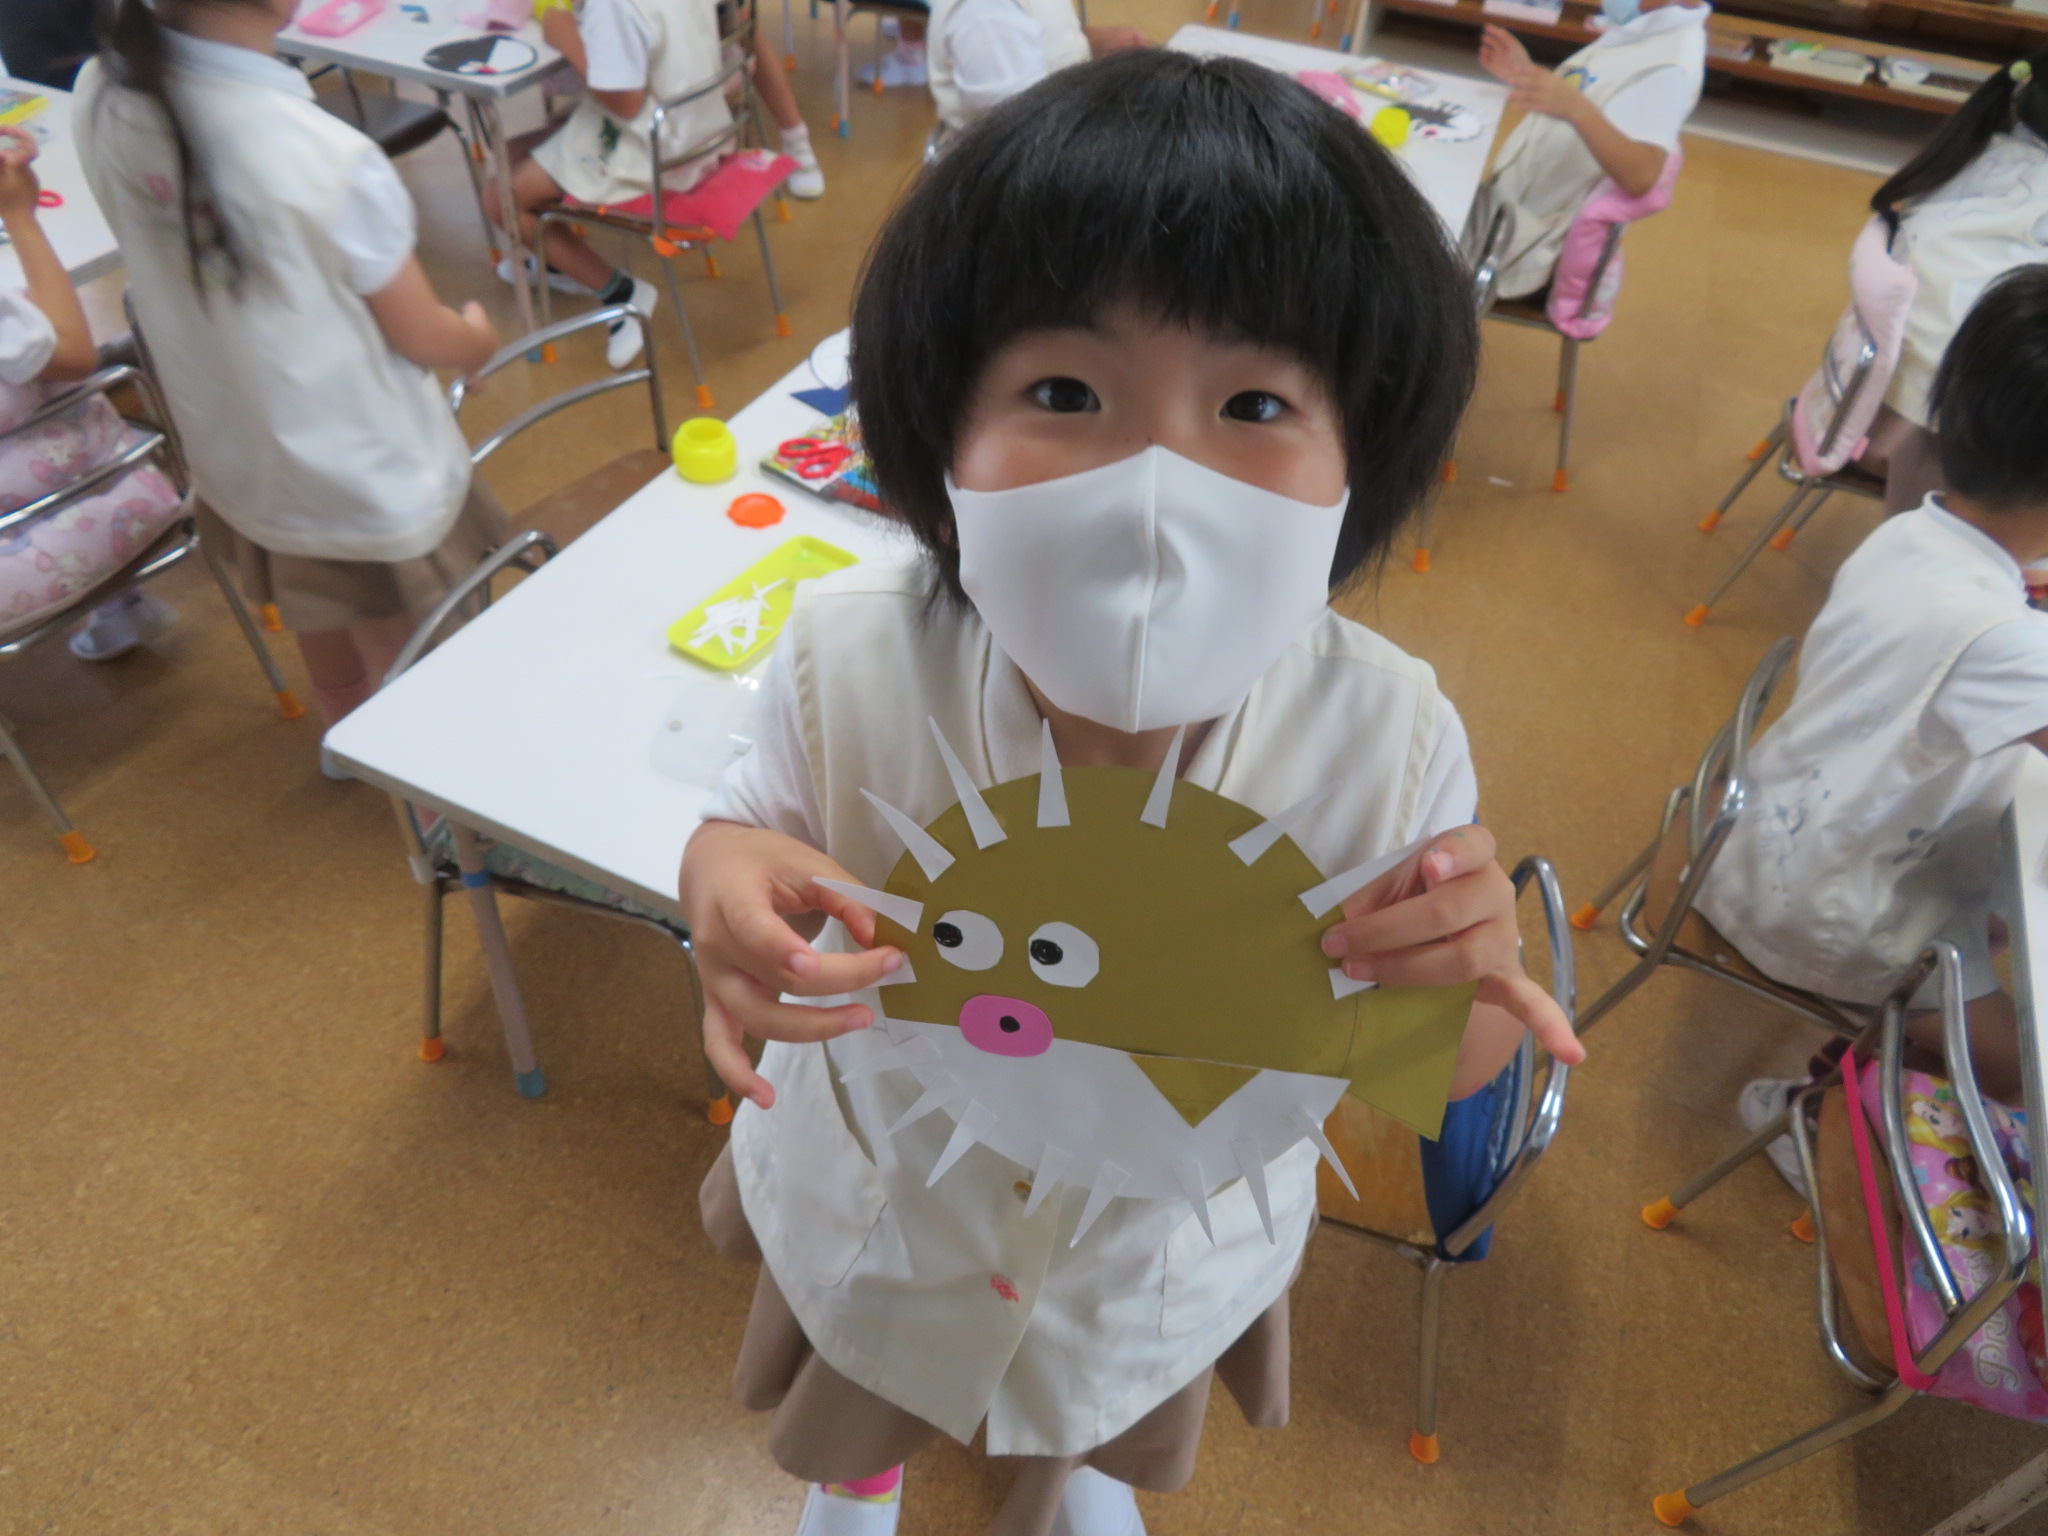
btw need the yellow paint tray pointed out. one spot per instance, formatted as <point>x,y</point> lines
<point>742,618</point>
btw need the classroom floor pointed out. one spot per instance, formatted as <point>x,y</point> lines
<point>262,1271</point>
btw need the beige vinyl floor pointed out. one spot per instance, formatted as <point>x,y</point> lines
<point>264,1273</point>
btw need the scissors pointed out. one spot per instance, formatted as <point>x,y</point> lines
<point>813,458</point>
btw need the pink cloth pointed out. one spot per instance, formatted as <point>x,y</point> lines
<point>1576,306</point>
<point>1880,292</point>
<point>721,202</point>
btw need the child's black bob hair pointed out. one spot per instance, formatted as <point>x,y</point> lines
<point>1207,192</point>
<point>1990,397</point>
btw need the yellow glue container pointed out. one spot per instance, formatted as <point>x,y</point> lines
<point>1390,126</point>
<point>705,451</point>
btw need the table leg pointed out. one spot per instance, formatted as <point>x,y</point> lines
<point>1364,22</point>
<point>508,213</point>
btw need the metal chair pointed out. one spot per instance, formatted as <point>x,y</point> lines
<point>666,239</point>
<point>1664,879</point>
<point>149,444</point>
<point>843,12</point>
<point>1846,1268</point>
<point>1510,1124</point>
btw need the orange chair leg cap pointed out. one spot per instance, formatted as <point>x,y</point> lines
<point>1315,29</point>
<point>719,1110</point>
<point>1557,402</point>
<point>76,848</point>
<point>433,1049</point>
<point>1697,617</point>
<point>1559,481</point>
<point>878,83</point>
<point>835,122</point>
<point>1763,447</point>
<point>1210,14</point>
<point>272,619</point>
<point>782,325</point>
<point>547,351</point>
<point>789,62</point>
<point>1586,917</point>
<point>1421,562</point>
<point>1659,1213</point>
<point>665,249</point>
<point>288,704</point>
<point>1782,539</point>
<point>1672,1508</point>
<point>1423,1448</point>
<point>1450,471</point>
<point>782,210</point>
<point>711,265</point>
<point>1710,522</point>
<point>703,397</point>
<point>1802,1226</point>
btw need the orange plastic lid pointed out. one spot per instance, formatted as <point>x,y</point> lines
<point>756,509</point>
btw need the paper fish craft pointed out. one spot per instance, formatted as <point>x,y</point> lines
<point>1115,979</point>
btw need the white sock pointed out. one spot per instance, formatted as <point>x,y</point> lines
<point>795,141</point>
<point>909,52</point>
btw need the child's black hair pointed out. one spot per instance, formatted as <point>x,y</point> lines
<point>1210,192</point>
<point>2009,99</point>
<point>1990,397</point>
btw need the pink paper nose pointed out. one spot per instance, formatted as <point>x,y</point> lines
<point>1005,1026</point>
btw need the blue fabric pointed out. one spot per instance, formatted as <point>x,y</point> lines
<point>1462,1167</point>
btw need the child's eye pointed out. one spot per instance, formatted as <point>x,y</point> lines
<point>1066,396</point>
<point>1253,405</point>
<point>968,940</point>
<point>1064,956</point>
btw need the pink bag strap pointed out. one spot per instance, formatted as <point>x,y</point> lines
<point>1880,1234</point>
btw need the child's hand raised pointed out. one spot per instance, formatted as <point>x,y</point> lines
<point>18,185</point>
<point>745,894</point>
<point>1445,916</point>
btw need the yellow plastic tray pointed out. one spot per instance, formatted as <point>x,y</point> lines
<point>763,594</point>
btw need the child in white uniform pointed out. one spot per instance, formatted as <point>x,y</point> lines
<point>983,52</point>
<point>1612,111</point>
<point>1054,326</point>
<point>1874,818</point>
<point>269,249</point>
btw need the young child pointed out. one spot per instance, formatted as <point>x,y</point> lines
<point>1612,111</point>
<point>45,343</point>
<point>270,261</point>
<point>1057,318</point>
<point>982,52</point>
<point>1874,815</point>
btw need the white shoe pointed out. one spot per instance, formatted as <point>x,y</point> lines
<point>1757,1105</point>
<point>898,69</point>
<point>119,625</point>
<point>627,337</point>
<point>807,180</point>
<point>561,282</point>
<point>831,1514</point>
<point>1096,1504</point>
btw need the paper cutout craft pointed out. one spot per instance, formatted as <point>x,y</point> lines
<point>1118,984</point>
<point>742,618</point>
<point>497,55</point>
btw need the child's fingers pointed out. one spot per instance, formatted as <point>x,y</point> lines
<point>1447,962</point>
<point>761,1014</point>
<point>850,973</point>
<point>1467,902</point>
<point>1537,1010</point>
<point>726,1051</point>
<point>768,949</point>
<point>859,920</point>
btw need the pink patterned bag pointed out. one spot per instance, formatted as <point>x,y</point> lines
<point>1582,290</point>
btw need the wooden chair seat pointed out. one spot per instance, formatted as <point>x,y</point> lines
<point>1849,1246</point>
<point>563,514</point>
<point>1523,311</point>
<point>1384,1160</point>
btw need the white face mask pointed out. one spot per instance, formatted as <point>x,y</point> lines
<point>1146,593</point>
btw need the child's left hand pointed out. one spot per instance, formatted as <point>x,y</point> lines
<point>1531,87</point>
<point>18,185</point>
<point>1446,916</point>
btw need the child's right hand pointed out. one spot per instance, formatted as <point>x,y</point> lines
<point>479,322</point>
<point>745,892</point>
<point>18,185</point>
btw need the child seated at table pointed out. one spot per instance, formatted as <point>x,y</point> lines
<point>45,343</point>
<point>1875,799</point>
<point>983,52</point>
<point>1610,112</point>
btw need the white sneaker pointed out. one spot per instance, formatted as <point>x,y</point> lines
<point>1757,1105</point>
<point>561,282</point>
<point>808,179</point>
<point>832,1514</point>
<point>1096,1504</point>
<point>119,625</point>
<point>899,67</point>
<point>626,337</point>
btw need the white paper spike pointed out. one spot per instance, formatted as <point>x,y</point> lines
<point>1254,1170</point>
<point>1156,803</point>
<point>1189,1177</point>
<point>1108,1184</point>
<point>1333,892</point>
<point>976,1121</point>
<point>930,853</point>
<point>900,910</point>
<point>1055,1167</point>
<point>1252,847</point>
<point>981,821</point>
<point>943,1087</point>
<point>1314,1132</point>
<point>901,975</point>
<point>886,1056</point>
<point>1342,986</point>
<point>1052,785</point>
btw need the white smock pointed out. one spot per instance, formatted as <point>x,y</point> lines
<point>896,1284</point>
<point>982,52</point>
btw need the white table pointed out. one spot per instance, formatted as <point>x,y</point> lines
<point>1446,174</point>
<point>76,228</point>
<point>395,45</point>
<point>536,723</point>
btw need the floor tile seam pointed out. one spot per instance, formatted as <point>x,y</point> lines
<point>84,1479</point>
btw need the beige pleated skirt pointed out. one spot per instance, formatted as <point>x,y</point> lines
<point>826,1429</point>
<point>313,595</point>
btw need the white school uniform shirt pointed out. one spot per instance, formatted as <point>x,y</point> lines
<point>947,1301</point>
<point>27,339</point>
<point>1645,76</point>
<point>303,429</point>
<point>1990,217</point>
<point>982,52</point>
<point>1873,823</point>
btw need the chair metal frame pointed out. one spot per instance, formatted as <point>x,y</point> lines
<point>668,241</point>
<point>1809,492</point>
<point>154,444</point>
<point>843,12</point>
<point>1535,1116</point>
<point>1963,1314</point>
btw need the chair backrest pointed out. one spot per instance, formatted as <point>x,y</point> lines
<point>648,373</point>
<point>736,67</point>
<point>1831,417</point>
<point>1588,275</point>
<point>144,444</point>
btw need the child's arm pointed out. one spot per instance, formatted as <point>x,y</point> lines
<point>1447,916</point>
<point>1632,165</point>
<point>558,28</point>
<point>421,329</point>
<point>751,904</point>
<point>49,286</point>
